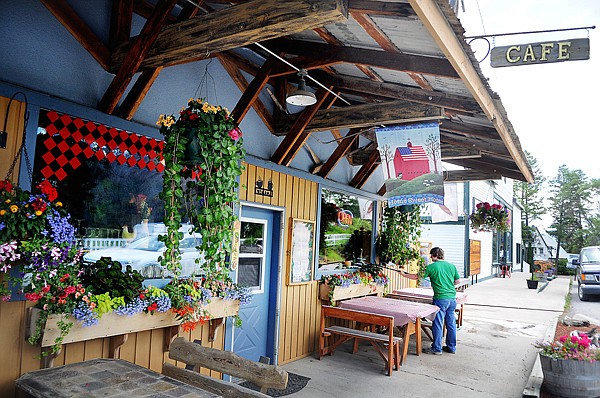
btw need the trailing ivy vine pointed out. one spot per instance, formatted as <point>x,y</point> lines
<point>398,241</point>
<point>203,152</point>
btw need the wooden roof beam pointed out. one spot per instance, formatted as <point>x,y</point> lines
<point>317,55</point>
<point>384,42</point>
<point>254,88</point>
<point>343,147</point>
<point>362,175</point>
<point>120,22</point>
<point>450,152</point>
<point>243,85</point>
<point>469,175</point>
<point>492,146</point>
<point>437,24</point>
<point>469,129</point>
<point>487,166</point>
<point>297,136</point>
<point>364,115</point>
<point>237,26</point>
<point>136,55</point>
<point>65,14</point>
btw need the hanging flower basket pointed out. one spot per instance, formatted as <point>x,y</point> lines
<point>489,218</point>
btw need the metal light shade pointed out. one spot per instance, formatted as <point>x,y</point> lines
<point>301,97</point>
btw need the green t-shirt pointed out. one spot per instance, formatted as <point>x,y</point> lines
<point>442,275</point>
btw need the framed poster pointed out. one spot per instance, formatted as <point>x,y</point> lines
<point>302,236</point>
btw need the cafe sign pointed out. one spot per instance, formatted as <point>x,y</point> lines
<point>541,53</point>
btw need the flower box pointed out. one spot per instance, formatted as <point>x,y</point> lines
<point>112,324</point>
<point>342,293</point>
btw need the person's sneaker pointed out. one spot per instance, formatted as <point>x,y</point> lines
<point>430,351</point>
<point>448,350</point>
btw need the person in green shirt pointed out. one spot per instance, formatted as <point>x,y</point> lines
<point>443,276</point>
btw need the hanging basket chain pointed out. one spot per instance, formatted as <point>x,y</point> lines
<point>23,147</point>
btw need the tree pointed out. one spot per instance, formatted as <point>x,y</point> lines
<point>432,148</point>
<point>533,206</point>
<point>569,205</point>
<point>386,157</point>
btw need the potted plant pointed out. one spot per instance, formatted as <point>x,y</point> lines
<point>571,366</point>
<point>203,152</point>
<point>489,217</point>
<point>368,280</point>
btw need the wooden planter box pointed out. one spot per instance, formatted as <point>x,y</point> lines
<point>112,324</point>
<point>342,293</point>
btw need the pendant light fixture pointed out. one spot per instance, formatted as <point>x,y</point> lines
<point>301,97</point>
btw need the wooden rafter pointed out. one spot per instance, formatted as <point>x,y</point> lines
<point>343,147</point>
<point>243,84</point>
<point>398,91</point>
<point>469,130</point>
<point>120,22</point>
<point>65,14</point>
<point>384,42</point>
<point>297,136</point>
<point>138,92</point>
<point>450,152</point>
<point>490,167</point>
<point>254,88</point>
<point>317,55</point>
<point>469,175</point>
<point>367,169</point>
<point>365,115</point>
<point>236,26</point>
<point>492,146</point>
<point>136,55</point>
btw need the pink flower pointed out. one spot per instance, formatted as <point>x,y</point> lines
<point>235,133</point>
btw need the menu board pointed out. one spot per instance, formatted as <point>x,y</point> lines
<point>302,250</point>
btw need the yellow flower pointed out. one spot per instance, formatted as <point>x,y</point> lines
<point>166,121</point>
<point>38,212</point>
<point>2,212</point>
<point>14,208</point>
<point>58,204</point>
<point>7,201</point>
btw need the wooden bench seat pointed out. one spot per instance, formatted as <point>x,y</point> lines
<point>386,345</point>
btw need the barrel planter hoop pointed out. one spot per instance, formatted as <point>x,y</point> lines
<point>570,378</point>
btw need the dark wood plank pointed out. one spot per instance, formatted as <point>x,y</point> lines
<point>135,56</point>
<point>65,14</point>
<point>364,115</point>
<point>254,88</point>
<point>237,26</point>
<point>138,92</point>
<point>469,175</point>
<point>120,22</point>
<point>328,54</point>
<point>366,170</point>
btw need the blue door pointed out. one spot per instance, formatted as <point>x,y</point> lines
<point>257,269</point>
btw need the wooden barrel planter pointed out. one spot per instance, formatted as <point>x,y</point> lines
<point>570,378</point>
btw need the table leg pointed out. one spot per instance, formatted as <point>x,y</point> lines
<point>406,337</point>
<point>418,336</point>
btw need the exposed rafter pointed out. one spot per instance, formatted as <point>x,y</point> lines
<point>237,26</point>
<point>344,146</point>
<point>469,175</point>
<point>362,175</point>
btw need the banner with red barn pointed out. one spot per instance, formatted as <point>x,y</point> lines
<point>411,163</point>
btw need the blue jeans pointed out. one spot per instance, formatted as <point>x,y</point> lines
<point>445,314</point>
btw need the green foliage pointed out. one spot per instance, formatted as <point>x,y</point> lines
<point>398,241</point>
<point>489,217</point>
<point>204,148</point>
<point>562,268</point>
<point>105,304</point>
<point>107,276</point>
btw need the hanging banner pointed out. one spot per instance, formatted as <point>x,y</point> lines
<point>411,163</point>
<point>449,210</point>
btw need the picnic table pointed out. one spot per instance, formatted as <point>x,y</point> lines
<point>407,315</point>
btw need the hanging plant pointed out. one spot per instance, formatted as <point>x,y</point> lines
<point>202,148</point>
<point>398,241</point>
<point>489,218</point>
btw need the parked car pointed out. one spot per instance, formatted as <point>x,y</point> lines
<point>588,272</point>
<point>570,258</point>
<point>143,253</point>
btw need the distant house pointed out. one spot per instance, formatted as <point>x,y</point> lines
<point>544,247</point>
<point>410,162</point>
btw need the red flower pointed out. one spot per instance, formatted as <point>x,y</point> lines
<point>65,277</point>
<point>193,116</point>
<point>32,296</point>
<point>47,189</point>
<point>487,206</point>
<point>70,289</point>
<point>152,307</point>
<point>46,289</point>
<point>6,185</point>
<point>235,133</point>
<point>142,296</point>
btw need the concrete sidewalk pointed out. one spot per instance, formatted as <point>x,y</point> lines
<point>495,356</point>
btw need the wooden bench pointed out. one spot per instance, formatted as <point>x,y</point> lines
<point>194,356</point>
<point>386,344</point>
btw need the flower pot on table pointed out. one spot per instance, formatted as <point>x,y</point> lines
<point>571,378</point>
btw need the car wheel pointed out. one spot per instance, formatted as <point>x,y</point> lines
<point>582,296</point>
<point>152,271</point>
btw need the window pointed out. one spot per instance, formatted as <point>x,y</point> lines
<point>345,230</point>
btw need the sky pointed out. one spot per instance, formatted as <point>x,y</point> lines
<point>553,107</point>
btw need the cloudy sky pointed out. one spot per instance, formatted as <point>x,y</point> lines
<point>554,108</point>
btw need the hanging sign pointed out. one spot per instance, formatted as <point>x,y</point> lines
<point>541,53</point>
<point>411,163</point>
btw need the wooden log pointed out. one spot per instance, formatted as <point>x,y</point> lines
<point>264,376</point>
<point>215,386</point>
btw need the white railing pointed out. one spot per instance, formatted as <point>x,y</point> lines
<point>103,243</point>
<point>336,239</point>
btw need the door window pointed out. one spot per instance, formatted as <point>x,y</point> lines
<point>252,254</point>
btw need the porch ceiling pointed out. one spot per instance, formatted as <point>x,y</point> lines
<point>392,61</point>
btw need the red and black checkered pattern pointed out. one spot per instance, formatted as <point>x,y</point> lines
<point>70,141</point>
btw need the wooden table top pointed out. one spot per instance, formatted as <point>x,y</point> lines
<point>109,378</point>
<point>402,311</point>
